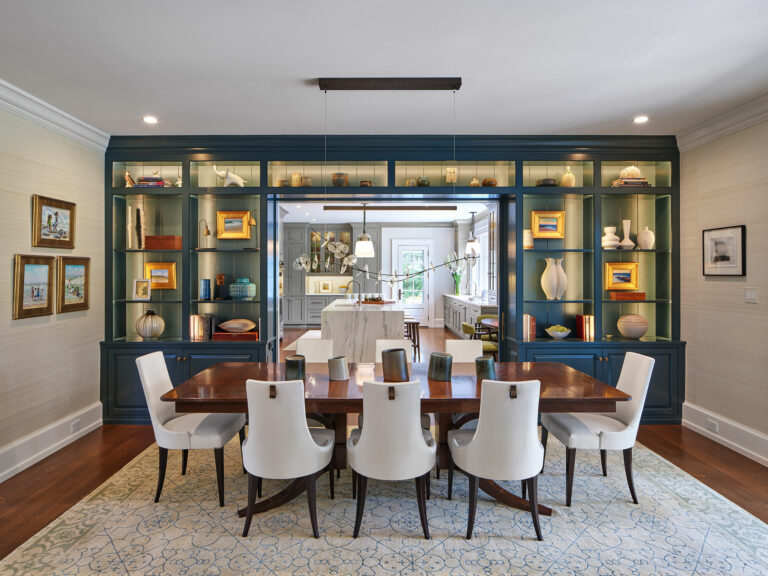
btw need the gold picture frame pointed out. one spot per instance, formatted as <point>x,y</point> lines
<point>548,223</point>
<point>233,225</point>
<point>32,286</point>
<point>73,281</point>
<point>621,275</point>
<point>53,223</point>
<point>162,275</point>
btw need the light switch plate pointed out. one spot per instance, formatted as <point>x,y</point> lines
<point>750,295</point>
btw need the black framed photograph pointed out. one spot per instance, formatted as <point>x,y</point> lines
<point>725,251</point>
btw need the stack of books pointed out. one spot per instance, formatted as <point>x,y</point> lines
<point>201,327</point>
<point>585,327</point>
<point>529,328</point>
<point>630,182</point>
<point>150,182</point>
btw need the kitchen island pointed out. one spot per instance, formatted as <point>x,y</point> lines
<point>354,328</point>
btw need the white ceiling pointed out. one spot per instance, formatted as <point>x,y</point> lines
<point>245,67</point>
<point>313,212</point>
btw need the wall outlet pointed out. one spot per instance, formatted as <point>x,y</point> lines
<point>75,426</point>
<point>750,295</point>
<point>712,426</point>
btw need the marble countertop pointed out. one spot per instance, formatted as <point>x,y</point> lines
<point>344,305</point>
<point>468,299</point>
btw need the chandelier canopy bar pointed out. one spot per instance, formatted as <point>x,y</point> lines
<point>439,83</point>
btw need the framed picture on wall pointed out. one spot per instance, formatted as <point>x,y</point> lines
<point>73,280</point>
<point>32,286</point>
<point>53,223</point>
<point>233,225</point>
<point>548,223</point>
<point>162,275</point>
<point>724,251</point>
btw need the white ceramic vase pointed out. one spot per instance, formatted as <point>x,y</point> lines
<point>632,326</point>
<point>562,279</point>
<point>553,279</point>
<point>569,178</point>
<point>626,242</point>
<point>150,326</point>
<point>646,239</point>
<point>610,241</point>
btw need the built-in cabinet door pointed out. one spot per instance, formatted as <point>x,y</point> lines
<point>294,310</point>
<point>197,361</point>
<point>315,305</point>
<point>295,234</point>
<point>293,280</point>
<point>584,360</point>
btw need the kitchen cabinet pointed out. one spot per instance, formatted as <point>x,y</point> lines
<point>459,309</point>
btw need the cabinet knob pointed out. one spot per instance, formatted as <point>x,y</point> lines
<point>178,358</point>
<point>184,358</point>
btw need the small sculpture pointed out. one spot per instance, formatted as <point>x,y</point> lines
<point>474,182</point>
<point>569,178</point>
<point>630,172</point>
<point>451,176</point>
<point>230,178</point>
<point>129,181</point>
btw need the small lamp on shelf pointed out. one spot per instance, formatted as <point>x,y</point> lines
<point>206,232</point>
<point>251,219</point>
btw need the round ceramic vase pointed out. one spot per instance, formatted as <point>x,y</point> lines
<point>150,326</point>
<point>632,326</point>
<point>242,289</point>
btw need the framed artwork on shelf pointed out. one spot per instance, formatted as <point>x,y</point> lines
<point>53,223</point>
<point>32,286</point>
<point>233,225</point>
<point>325,286</point>
<point>73,281</point>
<point>548,223</point>
<point>724,251</point>
<point>621,275</point>
<point>142,289</point>
<point>162,275</point>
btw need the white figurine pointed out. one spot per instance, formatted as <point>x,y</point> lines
<point>230,178</point>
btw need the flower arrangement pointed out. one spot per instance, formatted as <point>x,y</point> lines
<point>456,266</point>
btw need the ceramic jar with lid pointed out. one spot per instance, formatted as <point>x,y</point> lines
<point>242,289</point>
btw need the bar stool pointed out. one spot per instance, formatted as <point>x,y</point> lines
<point>412,334</point>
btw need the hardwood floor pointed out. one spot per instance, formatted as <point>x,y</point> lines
<point>37,496</point>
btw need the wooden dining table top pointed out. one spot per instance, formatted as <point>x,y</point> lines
<point>490,323</point>
<point>221,387</point>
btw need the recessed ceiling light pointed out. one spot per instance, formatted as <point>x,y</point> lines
<point>298,206</point>
<point>150,119</point>
<point>306,213</point>
<point>640,119</point>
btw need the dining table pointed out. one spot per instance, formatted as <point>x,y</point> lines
<point>221,388</point>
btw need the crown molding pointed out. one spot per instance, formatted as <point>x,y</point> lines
<point>23,104</point>
<point>750,114</point>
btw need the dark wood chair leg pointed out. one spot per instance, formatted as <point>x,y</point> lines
<point>523,484</point>
<point>534,501</point>
<point>184,459</point>
<point>437,466</point>
<point>241,434</point>
<point>162,462</point>
<point>252,483</point>
<point>628,470</point>
<point>604,461</point>
<point>331,467</point>
<point>544,438</point>
<point>354,484</point>
<point>421,488</point>
<point>474,484</point>
<point>428,484</point>
<point>259,487</point>
<point>218,454</point>
<point>570,464</point>
<point>450,476</point>
<point>312,501</point>
<point>362,487</point>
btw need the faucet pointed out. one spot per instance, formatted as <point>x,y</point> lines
<point>474,288</point>
<point>359,289</point>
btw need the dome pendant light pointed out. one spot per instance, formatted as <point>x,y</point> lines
<point>364,245</point>
<point>473,244</point>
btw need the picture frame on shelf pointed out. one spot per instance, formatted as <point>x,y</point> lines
<point>142,289</point>
<point>233,225</point>
<point>724,251</point>
<point>548,224</point>
<point>621,275</point>
<point>325,286</point>
<point>162,275</point>
<point>73,282</point>
<point>32,286</point>
<point>53,223</point>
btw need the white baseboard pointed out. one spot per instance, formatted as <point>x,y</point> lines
<point>742,439</point>
<point>33,447</point>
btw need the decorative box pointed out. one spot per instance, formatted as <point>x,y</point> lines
<point>162,242</point>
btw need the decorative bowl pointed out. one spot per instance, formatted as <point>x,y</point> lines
<point>411,182</point>
<point>366,183</point>
<point>422,181</point>
<point>557,335</point>
<point>632,326</point>
<point>237,325</point>
<point>489,182</point>
<point>546,182</point>
<point>340,179</point>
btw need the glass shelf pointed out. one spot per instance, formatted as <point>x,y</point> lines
<point>226,301</point>
<point>147,301</point>
<point>135,251</point>
<point>168,171</point>
<point>656,174</point>
<point>557,250</point>
<point>202,174</point>
<point>331,174</point>
<point>226,250</point>
<point>461,173</point>
<point>558,301</point>
<point>534,171</point>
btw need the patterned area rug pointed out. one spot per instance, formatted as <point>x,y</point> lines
<point>679,527</point>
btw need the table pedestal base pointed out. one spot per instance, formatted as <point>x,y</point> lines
<point>294,489</point>
<point>505,497</point>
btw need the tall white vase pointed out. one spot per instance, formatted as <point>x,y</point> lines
<point>626,242</point>
<point>550,279</point>
<point>646,239</point>
<point>562,279</point>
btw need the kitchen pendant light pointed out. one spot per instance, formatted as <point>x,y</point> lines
<point>473,244</point>
<point>364,244</point>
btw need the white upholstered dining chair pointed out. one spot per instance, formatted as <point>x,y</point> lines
<point>314,350</point>
<point>385,344</point>
<point>183,431</point>
<point>280,445</point>
<point>392,446</point>
<point>610,431</point>
<point>464,350</point>
<point>504,447</point>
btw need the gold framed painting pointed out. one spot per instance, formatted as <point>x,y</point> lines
<point>53,223</point>
<point>73,281</point>
<point>621,275</point>
<point>162,275</point>
<point>32,286</point>
<point>548,223</point>
<point>233,225</point>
